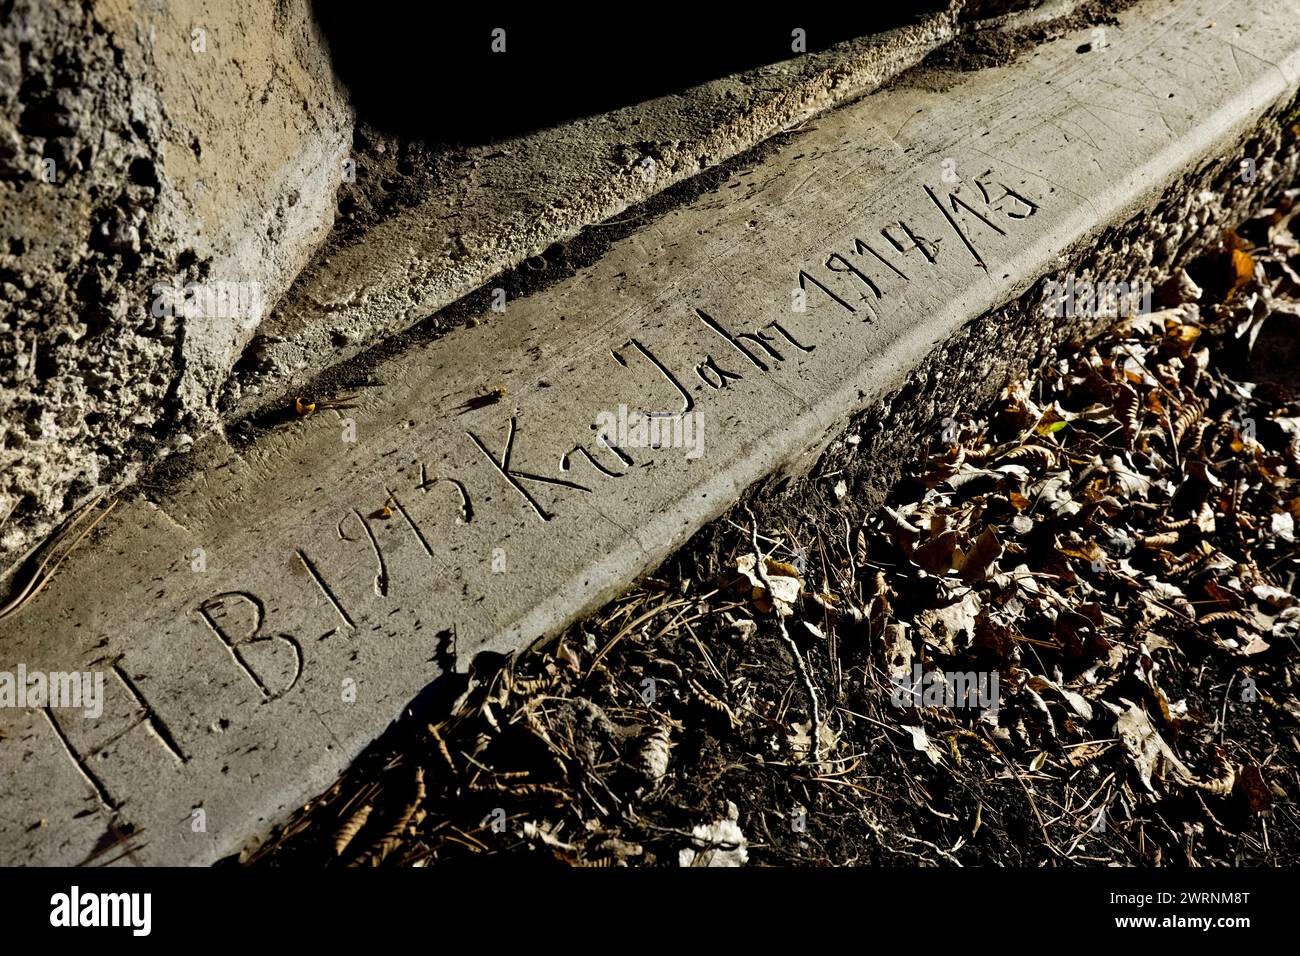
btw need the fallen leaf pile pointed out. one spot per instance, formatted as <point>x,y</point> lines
<point>1106,555</point>
<point>1127,513</point>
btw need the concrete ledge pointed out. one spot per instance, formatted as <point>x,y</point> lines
<point>261,619</point>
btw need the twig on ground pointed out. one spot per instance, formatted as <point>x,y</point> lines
<point>814,746</point>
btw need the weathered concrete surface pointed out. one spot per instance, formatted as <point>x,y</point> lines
<point>337,578</point>
<point>144,143</point>
<point>484,209</point>
<point>217,152</point>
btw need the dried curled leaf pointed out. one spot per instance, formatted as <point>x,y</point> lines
<point>351,827</point>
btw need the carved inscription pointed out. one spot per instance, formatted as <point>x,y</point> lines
<point>878,263</point>
<point>146,716</point>
<point>235,617</point>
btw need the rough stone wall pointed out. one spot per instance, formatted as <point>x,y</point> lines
<point>145,147</point>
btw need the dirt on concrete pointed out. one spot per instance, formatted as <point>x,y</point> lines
<point>1001,45</point>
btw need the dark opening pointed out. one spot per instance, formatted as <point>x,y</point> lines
<point>434,75</point>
